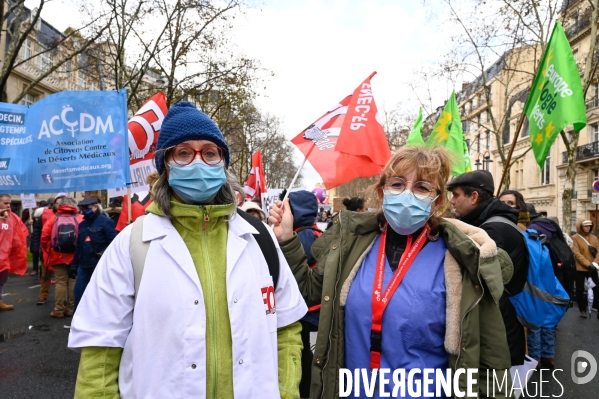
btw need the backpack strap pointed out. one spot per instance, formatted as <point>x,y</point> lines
<point>501,219</point>
<point>138,251</point>
<point>267,245</point>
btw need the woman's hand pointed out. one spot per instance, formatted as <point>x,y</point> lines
<point>281,219</point>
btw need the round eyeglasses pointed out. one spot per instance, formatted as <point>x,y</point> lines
<point>420,189</point>
<point>183,155</point>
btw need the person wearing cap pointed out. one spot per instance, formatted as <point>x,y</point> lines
<point>254,209</point>
<point>95,234</point>
<point>207,320</point>
<point>473,202</point>
<point>587,264</point>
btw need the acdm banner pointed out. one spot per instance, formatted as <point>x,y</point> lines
<point>69,141</point>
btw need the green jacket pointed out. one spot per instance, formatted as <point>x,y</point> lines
<point>474,272</point>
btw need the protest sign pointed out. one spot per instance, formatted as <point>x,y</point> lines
<point>69,141</point>
<point>28,201</point>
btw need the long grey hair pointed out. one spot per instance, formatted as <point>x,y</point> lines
<point>226,195</point>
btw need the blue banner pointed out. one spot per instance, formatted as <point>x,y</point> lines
<point>69,141</point>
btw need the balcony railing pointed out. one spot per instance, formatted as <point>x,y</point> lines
<point>578,27</point>
<point>594,103</point>
<point>584,152</point>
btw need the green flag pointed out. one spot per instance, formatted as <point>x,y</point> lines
<point>556,99</point>
<point>415,136</point>
<point>448,133</point>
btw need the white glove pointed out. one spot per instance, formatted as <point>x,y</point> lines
<point>595,265</point>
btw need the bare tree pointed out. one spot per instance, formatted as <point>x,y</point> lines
<point>57,48</point>
<point>589,75</point>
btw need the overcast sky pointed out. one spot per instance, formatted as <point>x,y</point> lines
<point>320,50</point>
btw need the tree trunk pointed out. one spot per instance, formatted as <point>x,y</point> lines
<point>569,185</point>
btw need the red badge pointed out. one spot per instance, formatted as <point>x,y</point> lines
<point>87,239</point>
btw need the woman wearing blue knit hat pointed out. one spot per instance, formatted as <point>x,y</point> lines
<point>207,320</point>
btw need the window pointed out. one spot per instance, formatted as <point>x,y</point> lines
<point>44,60</point>
<point>524,132</point>
<point>474,103</point>
<point>483,140</point>
<point>26,50</point>
<point>520,174</point>
<point>594,131</point>
<point>488,139</point>
<point>28,99</point>
<point>82,81</point>
<point>483,117</point>
<point>466,126</point>
<point>67,67</point>
<point>546,172</point>
<point>92,86</point>
<point>575,54</point>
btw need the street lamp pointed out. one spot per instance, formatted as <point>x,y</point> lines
<point>477,163</point>
<point>487,159</point>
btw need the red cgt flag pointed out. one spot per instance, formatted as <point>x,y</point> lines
<point>348,141</point>
<point>256,183</point>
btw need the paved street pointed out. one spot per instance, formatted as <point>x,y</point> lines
<point>35,363</point>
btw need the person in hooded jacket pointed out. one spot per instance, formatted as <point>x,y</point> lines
<point>13,245</point>
<point>96,232</point>
<point>45,274</point>
<point>60,262</point>
<point>586,263</point>
<point>304,206</point>
<point>473,202</point>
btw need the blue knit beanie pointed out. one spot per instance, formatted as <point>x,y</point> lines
<point>183,122</point>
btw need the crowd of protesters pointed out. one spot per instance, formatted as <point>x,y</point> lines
<point>226,306</point>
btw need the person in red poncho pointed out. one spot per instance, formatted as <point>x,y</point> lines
<point>138,207</point>
<point>13,245</point>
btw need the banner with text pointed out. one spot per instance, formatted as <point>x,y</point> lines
<point>69,141</point>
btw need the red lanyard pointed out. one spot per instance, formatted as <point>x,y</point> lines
<point>380,300</point>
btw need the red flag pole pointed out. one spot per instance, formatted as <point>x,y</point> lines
<point>298,172</point>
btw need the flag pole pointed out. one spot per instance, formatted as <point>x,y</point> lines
<point>509,156</point>
<point>298,172</point>
<point>129,216</point>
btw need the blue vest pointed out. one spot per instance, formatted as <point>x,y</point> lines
<point>413,323</point>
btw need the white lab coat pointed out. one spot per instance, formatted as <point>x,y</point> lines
<point>164,341</point>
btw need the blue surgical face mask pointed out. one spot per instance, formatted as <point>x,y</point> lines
<point>196,183</point>
<point>405,213</point>
<point>87,212</point>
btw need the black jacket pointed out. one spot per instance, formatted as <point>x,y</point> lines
<point>95,234</point>
<point>510,240</point>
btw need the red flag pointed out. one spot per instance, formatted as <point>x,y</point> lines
<point>256,183</point>
<point>348,141</point>
<point>138,208</point>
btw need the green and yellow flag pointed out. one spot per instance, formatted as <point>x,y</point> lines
<point>448,133</point>
<point>556,99</point>
<point>415,136</point>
